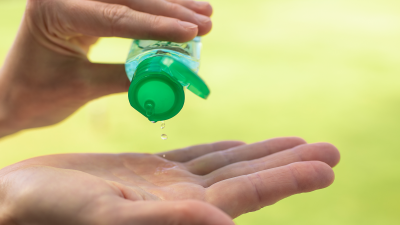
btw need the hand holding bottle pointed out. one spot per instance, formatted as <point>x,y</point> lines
<point>47,76</point>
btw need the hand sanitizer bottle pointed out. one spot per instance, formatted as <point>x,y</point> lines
<point>159,71</point>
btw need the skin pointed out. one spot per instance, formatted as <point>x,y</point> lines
<point>205,184</point>
<point>47,76</point>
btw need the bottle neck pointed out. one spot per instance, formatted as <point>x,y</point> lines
<point>152,65</point>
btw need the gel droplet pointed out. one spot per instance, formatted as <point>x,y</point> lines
<point>163,156</point>
<point>149,107</point>
<point>162,124</point>
<point>164,136</point>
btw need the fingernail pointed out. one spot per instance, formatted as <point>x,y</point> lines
<point>203,19</point>
<point>187,25</point>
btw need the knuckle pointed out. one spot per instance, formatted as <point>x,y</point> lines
<point>156,21</point>
<point>296,173</point>
<point>156,29</point>
<point>114,13</point>
<point>254,181</point>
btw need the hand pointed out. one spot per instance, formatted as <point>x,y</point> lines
<point>47,76</point>
<point>153,189</point>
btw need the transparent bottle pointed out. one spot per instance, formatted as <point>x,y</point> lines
<point>159,71</point>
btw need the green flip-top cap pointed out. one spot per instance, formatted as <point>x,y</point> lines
<point>157,90</point>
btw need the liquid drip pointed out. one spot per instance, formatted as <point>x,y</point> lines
<point>164,136</point>
<point>165,169</point>
<point>162,124</point>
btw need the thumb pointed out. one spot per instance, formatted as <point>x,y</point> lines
<point>103,79</point>
<point>106,20</point>
<point>168,213</point>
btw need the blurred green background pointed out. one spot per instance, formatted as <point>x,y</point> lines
<point>324,70</point>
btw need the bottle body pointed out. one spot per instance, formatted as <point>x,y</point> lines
<point>187,53</point>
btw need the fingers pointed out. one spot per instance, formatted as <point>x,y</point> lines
<point>323,152</point>
<point>176,10</point>
<point>101,19</point>
<point>251,192</point>
<point>201,7</point>
<point>212,161</point>
<point>189,153</point>
<point>166,213</point>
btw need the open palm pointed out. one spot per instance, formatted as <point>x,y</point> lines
<point>167,188</point>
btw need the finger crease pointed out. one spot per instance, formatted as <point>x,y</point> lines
<point>296,182</point>
<point>114,14</point>
<point>256,190</point>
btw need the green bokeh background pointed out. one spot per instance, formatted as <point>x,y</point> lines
<point>324,70</point>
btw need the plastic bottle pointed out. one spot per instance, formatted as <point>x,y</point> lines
<point>159,71</point>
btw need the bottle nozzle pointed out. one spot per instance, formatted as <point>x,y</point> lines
<point>149,107</point>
